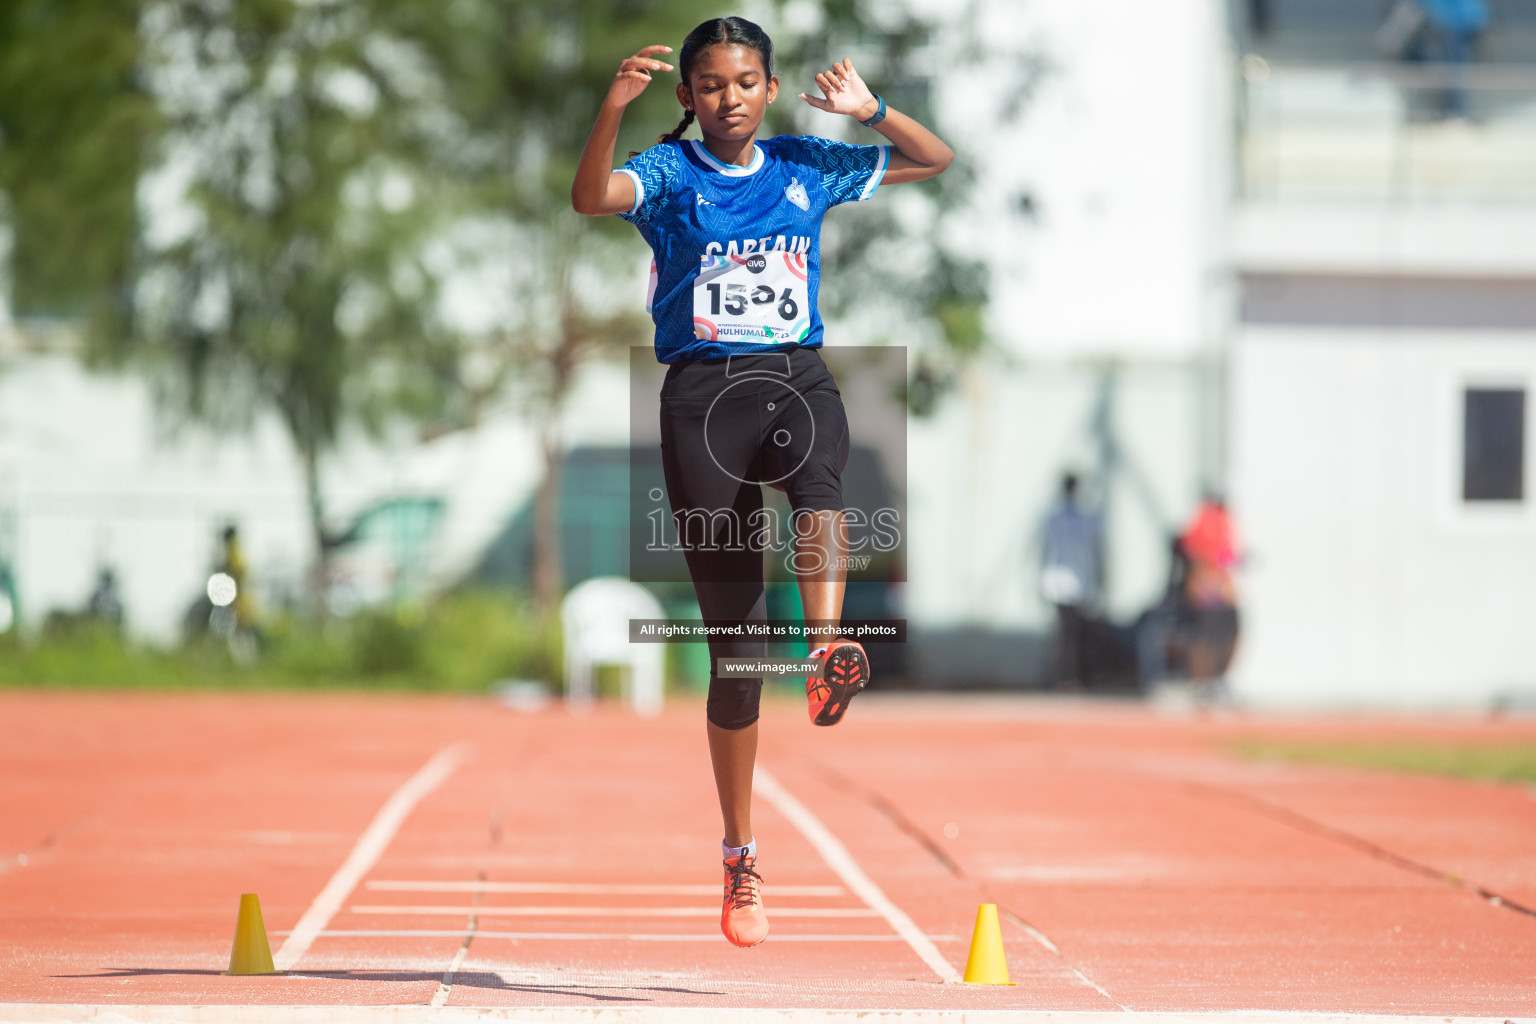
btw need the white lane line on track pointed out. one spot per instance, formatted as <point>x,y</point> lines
<point>606,911</point>
<point>846,868</point>
<point>366,853</point>
<point>1033,932</point>
<point>1044,940</point>
<point>712,937</point>
<point>445,986</point>
<point>66,1013</point>
<point>587,888</point>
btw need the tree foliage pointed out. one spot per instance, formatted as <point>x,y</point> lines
<point>74,122</point>
<point>286,267</point>
<point>529,93</point>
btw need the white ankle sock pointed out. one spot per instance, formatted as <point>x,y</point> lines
<point>729,852</point>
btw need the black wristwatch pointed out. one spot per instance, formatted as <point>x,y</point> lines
<point>879,114</point>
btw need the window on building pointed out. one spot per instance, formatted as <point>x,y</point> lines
<point>1493,445</point>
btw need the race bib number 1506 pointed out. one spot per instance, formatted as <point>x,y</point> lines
<point>760,298</point>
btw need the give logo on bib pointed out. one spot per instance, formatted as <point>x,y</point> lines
<point>760,298</point>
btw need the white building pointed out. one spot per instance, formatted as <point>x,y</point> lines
<point>1385,346</point>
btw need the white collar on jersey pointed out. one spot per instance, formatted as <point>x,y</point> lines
<point>730,170</point>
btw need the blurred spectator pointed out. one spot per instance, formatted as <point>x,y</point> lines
<point>1437,31</point>
<point>1402,30</point>
<point>1071,578</point>
<point>1160,630</point>
<point>105,604</point>
<point>1210,546</point>
<point>1459,23</point>
<point>235,567</point>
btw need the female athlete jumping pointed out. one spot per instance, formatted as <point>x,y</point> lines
<point>734,224</point>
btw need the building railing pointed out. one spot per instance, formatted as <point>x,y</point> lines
<point>1386,132</point>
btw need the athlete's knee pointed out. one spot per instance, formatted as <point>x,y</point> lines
<point>733,703</point>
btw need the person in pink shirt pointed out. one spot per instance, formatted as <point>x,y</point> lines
<point>1210,545</point>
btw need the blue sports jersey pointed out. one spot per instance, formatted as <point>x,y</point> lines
<point>738,249</point>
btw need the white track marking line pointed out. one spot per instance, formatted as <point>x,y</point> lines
<point>846,868</point>
<point>605,911</point>
<point>61,1013</point>
<point>711,937</point>
<point>1036,934</point>
<point>587,888</point>
<point>445,987</point>
<point>1044,940</point>
<point>369,848</point>
<point>1095,985</point>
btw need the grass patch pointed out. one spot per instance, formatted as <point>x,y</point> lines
<point>1500,762</point>
<point>463,642</point>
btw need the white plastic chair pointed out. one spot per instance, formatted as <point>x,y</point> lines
<point>595,618</point>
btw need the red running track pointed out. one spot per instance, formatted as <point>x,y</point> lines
<point>573,862</point>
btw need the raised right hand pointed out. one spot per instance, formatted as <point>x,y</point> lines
<point>634,75</point>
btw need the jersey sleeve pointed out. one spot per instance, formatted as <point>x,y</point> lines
<point>655,172</point>
<point>849,173</point>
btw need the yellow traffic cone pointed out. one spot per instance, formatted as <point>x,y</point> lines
<point>251,953</point>
<point>986,964</point>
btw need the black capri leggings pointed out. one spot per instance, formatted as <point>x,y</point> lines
<point>728,426</point>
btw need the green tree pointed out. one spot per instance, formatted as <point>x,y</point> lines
<point>74,123</point>
<point>529,88</point>
<point>287,266</point>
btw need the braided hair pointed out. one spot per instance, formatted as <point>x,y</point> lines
<point>677,133</point>
<point>715,32</point>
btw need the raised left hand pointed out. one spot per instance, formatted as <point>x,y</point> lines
<point>844,92</point>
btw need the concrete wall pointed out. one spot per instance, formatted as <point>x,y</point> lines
<point>1371,582</point>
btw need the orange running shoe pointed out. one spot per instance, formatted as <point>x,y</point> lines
<point>742,918</point>
<point>844,672</point>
